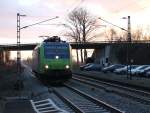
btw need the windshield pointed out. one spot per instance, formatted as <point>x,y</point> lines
<point>143,67</point>
<point>53,50</point>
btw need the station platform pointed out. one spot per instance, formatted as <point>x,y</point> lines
<point>19,105</point>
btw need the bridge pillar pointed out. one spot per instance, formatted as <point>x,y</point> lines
<point>1,56</point>
<point>5,56</point>
<point>102,55</point>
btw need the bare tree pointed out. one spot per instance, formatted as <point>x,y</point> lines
<point>111,35</point>
<point>147,35</point>
<point>137,34</point>
<point>81,25</point>
<point>7,56</point>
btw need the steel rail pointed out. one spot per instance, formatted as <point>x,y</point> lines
<point>142,100</point>
<point>68,102</point>
<point>94,100</point>
<point>116,85</point>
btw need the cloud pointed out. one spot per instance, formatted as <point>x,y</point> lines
<point>28,2</point>
<point>38,10</point>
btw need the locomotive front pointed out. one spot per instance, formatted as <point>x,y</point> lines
<point>56,60</point>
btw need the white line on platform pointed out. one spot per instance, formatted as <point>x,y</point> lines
<point>41,101</point>
<point>43,104</point>
<point>51,111</point>
<point>43,108</point>
<point>32,103</point>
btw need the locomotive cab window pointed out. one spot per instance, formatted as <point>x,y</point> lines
<point>53,50</point>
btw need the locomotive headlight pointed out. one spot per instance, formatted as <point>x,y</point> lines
<point>46,67</point>
<point>67,66</point>
<point>57,57</point>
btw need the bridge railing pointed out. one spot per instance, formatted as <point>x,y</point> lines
<point>107,42</point>
<point>98,42</point>
<point>5,45</point>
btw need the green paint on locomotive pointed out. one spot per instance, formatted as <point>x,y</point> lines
<point>53,64</point>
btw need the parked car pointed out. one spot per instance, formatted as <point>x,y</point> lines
<point>93,67</point>
<point>85,65</point>
<point>123,70</point>
<point>143,71</point>
<point>111,68</point>
<point>133,71</point>
<point>147,74</point>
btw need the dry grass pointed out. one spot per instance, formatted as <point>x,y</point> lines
<point>8,77</point>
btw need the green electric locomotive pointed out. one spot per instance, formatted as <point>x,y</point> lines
<point>52,60</point>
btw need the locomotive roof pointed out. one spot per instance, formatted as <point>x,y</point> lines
<point>53,39</point>
<point>56,43</point>
<point>51,43</point>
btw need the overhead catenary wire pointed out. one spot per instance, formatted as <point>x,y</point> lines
<point>113,24</point>
<point>39,22</point>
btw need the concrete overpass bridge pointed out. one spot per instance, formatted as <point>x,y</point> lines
<point>102,50</point>
<point>87,45</point>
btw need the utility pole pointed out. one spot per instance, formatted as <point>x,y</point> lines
<point>129,30</point>
<point>18,44</point>
<point>129,40</point>
<point>129,46</point>
<point>19,83</point>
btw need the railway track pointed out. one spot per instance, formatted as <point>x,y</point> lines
<point>81,102</point>
<point>138,95</point>
<point>106,81</point>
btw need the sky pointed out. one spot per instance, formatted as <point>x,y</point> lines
<point>39,10</point>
